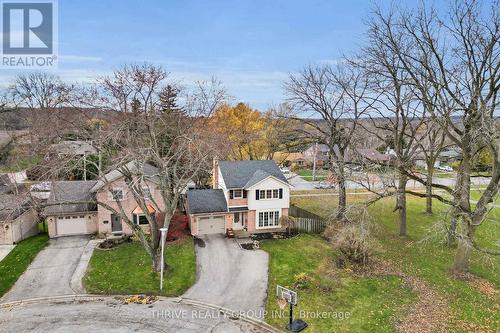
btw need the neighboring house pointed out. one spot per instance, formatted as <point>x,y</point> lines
<point>320,150</point>
<point>72,148</point>
<point>72,207</point>
<point>292,160</point>
<point>18,219</point>
<point>246,195</point>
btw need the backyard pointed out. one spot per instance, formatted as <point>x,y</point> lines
<point>417,282</point>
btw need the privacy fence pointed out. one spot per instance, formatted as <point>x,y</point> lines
<point>306,221</point>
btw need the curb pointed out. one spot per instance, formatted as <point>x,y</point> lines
<point>187,301</point>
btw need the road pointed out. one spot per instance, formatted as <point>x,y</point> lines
<point>108,314</point>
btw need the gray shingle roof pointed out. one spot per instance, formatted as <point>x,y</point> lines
<point>237,174</point>
<point>71,197</point>
<point>12,206</point>
<point>148,171</point>
<point>206,201</point>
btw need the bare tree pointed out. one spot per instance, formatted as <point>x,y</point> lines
<point>458,56</point>
<point>39,90</point>
<point>337,97</point>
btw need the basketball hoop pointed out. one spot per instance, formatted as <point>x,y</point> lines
<point>286,296</point>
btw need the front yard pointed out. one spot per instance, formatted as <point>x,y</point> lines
<point>380,303</point>
<point>348,303</point>
<point>16,262</point>
<point>307,174</point>
<point>127,270</point>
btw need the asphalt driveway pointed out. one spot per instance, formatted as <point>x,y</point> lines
<point>229,276</point>
<point>51,271</point>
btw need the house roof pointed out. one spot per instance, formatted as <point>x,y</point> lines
<point>206,201</point>
<point>73,148</point>
<point>237,174</point>
<point>12,206</point>
<point>71,197</point>
<point>146,170</point>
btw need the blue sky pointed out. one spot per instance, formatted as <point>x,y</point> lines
<point>251,45</point>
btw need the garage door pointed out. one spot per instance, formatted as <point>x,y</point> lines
<point>71,225</point>
<point>211,225</point>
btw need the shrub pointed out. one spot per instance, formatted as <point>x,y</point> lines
<point>302,281</point>
<point>352,239</point>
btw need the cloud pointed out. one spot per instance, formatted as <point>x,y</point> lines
<point>68,58</point>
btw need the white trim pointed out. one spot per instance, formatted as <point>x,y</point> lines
<point>274,210</point>
<point>237,189</point>
<point>270,176</point>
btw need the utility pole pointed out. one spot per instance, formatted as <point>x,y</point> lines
<point>315,153</point>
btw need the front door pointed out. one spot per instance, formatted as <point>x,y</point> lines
<point>116,223</point>
<point>238,221</point>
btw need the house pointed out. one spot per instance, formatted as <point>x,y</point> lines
<point>72,207</point>
<point>72,148</point>
<point>318,151</point>
<point>249,196</point>
<point>18,218</point>
<point>292,160</point>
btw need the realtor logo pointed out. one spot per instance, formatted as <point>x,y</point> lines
<point>28,33</point>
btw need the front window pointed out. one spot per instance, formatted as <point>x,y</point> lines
<point>269,219</point>
<point>237,193</point>
<point>147,192</point>
<point>269,194</point>
<point>140,219</point>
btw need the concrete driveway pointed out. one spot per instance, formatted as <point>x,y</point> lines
<point>5,250</point>
<point>51,272</point>
<point>229,276</point>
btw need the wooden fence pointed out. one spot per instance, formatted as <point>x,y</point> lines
<point>300,212</point>
<point>302,224</point>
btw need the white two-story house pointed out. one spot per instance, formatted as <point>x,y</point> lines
<point>249,196</point>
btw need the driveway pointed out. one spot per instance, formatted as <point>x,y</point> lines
<point>229,276</point>
<point>5,250</point>
<point>51,272</point>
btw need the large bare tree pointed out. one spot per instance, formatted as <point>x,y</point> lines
<point>457,58</point>
<point>336,97</point>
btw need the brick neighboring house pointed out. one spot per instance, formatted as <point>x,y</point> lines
<point>64,217</point>
<point>247,196</point>
<point>18,218</point>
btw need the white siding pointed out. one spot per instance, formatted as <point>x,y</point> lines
<point>268,204</point>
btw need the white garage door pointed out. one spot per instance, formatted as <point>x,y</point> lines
<point>71,225</point>
<point>211,225</point>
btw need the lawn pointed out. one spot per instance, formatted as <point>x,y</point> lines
<point>352,304</point>
<point>127,270</point>
<point>307,174</point>
<point>16,262</point>
<point>472,306</point>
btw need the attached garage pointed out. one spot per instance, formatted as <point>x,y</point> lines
<point>208,225</point>
<point>71,225</point>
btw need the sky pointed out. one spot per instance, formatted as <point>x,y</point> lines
<point>252,46</point>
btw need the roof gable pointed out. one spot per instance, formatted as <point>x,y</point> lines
<point>240,174</point>
<point>147,170</point>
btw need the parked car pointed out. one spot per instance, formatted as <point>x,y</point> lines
<point>285,170</point>
<point>445,168</point>
<point>324,185</point>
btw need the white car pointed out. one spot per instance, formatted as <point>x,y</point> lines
<point>285,170</point>
<point>446,168</point>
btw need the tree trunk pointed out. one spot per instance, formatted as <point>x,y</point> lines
<point>157,261</point>
<point>341,212</point>
<point>402,204</point>
<point>461,196</point>
<point>462,255</point>
<point>428,187</point>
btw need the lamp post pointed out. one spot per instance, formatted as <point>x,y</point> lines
<point>163,236</point>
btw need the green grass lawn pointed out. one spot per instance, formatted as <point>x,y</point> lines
<point>429,261</point>
<point>127,270</point>
<point>16,262</point>
<point>307,174</point>
<point>354,304</point>
<point>476,194</point>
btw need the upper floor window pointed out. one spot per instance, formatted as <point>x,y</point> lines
<point>147,192</point>
<point>237,194</point>
<point>117,194</point>
<point>276,193</point>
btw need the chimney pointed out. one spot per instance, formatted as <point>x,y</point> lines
<point>215,173</point>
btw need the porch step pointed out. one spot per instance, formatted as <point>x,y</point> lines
<point>230,233</point>
<point>241,234</point>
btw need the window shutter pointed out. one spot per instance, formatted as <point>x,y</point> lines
<point>244,193</point>
<point>281,193</point>
<point>231,195</point>
<point>256,194</point>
